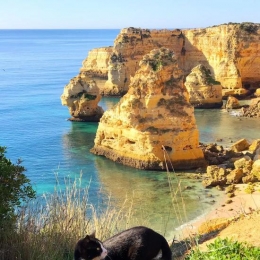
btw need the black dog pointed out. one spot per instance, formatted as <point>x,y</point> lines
<point>138,243</point>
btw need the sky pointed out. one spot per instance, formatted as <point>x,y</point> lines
<point>118,14</point>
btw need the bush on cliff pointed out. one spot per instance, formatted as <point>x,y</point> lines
<point>15,188</point>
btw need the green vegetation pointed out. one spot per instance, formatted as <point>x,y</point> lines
<point>84,94</point>
<point>250,28</point>
<point>15,189</point>
<point>209,78</point>
<point>160,59</point>
<point>223,249</point>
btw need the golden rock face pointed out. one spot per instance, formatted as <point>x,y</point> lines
<point>204,91</point>
<point>230,51</point>
<point>155,113</point>
<point>81,96</point>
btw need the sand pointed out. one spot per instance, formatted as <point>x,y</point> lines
<point>238,219</point>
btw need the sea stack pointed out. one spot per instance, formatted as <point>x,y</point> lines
<point>81,96</point>
<point>154,114</point>
<point>204,90</point>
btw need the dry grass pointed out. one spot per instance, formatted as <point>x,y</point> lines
<point>49,227</point>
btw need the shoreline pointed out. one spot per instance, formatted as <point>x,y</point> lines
<point>223,212</point>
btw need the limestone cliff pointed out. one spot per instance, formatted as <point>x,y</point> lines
<point>231,51</point>
<point>204,91</point>
<point>81,96</point>
<point>154,113</point>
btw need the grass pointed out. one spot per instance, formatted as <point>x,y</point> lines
<point>48,228</point>
<point>224,249</point>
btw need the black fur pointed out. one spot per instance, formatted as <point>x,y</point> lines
<point>88,248</point>
<point>138,243</point>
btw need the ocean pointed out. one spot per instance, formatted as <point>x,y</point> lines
<point>35,65</point>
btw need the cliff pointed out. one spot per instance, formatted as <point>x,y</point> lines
<point>154,113</point>
<point>230,51</point>
<point>81,96</point>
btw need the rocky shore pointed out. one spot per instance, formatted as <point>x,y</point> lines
<point>238,164</point>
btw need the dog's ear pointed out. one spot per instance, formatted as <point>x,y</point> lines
<point>93,234</point>
<point>86,238</point>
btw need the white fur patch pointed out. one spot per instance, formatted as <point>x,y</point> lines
<point>104,252</point>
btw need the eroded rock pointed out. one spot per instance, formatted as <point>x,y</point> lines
<point>81,96</point>
<point>154,122</point>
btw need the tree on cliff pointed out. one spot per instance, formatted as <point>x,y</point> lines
<point>15,188</point>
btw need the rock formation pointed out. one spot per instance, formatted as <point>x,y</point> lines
<point>81,96</point>
<point>238,164</point>
<point>154,113</point>
<point>231,51</point>
<point>253,110</point>
<point>204,91</point>
<point>96,64</point>
<point>232,103</point>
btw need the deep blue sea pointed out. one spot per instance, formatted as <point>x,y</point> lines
<point>35,65</point>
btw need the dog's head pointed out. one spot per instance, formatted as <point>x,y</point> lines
<point>89,248</point>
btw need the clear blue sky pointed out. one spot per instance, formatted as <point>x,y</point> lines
<point>87,14</point>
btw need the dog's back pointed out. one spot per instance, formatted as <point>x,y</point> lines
<point>138,243</point>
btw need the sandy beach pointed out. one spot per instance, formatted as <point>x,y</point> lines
<point>237,218</point>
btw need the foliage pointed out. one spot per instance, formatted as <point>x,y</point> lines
<point>209,78</point>
<point>15,187</point>
<point>250,28</point>
<point>84,94</point>
<point>224,249</point>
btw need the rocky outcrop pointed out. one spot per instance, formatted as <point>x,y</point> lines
<point>232,103</point>
<point>81,96</point>
<point>231,51</point>
<point>253,110</point>
<point>96,64</point>
<point>204,91</point>
<point>154,122</point>
<point>238,164</point>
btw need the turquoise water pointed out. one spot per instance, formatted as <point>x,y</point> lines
<point>35,65</point>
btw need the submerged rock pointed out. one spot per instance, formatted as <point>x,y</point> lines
<point>82,96</point>
<point>154,122</point>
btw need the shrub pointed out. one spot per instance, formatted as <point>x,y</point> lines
<point>222,249</point>
<point>15,188</point>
